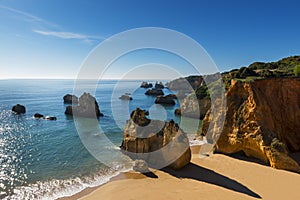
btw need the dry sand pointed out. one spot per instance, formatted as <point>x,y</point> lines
<point>215,177</point>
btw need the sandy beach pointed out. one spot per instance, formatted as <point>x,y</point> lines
<point>215,177</point>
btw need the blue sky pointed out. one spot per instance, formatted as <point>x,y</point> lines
<point>51,38</point>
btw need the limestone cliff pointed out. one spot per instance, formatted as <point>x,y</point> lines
<point>193,107</point>
<point>157,142</point>
<point>262,120</point>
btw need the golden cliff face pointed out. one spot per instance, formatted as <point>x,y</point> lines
<point>262,120</point>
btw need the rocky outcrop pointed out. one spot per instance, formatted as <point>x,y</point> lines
<point>68,98</point>
<point>87,107</point>
<point>40,116</point>
<point>262,120</point>
<point>194,108</point>
<point>125,97</point>
<point>146,85</point>
<point>140,166</point>
<point>154,92</point>
<point>187,84</point>
<point>166,100</point>
<point>157,142</point>
<point>18,109</point>
<point>159,85</point>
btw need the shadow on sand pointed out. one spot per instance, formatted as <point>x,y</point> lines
<point>198,173</point>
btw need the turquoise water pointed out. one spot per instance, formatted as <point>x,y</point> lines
<point>46,159</point>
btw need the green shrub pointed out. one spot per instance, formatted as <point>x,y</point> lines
<point>297,70</point>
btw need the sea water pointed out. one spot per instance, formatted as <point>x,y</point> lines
<point>42,159</point>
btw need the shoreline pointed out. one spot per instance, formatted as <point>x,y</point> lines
<point>215,177</point>
<point>122,176</point>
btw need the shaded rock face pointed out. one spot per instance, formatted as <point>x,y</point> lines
<point>87,107</point>
<point>68,98</point>
<point>146,85</point>
<point>142,135</point>
<point>194,108</point>
<point>165,100</point>
<point>154,92</point>
<point>19,109</point>
<point>262,120</point>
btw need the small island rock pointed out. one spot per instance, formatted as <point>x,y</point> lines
<point>68,98</point>
<point>88,107</point>
<point>125,97</point>
<point>165,100</point>
<point>146,85</point>
<point>154,92</point>
<point>19,109</point>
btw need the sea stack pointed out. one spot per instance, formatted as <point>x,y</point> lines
<point>87,107</point>
<point>142,136</point>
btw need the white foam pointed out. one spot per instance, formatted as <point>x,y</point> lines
<point>55,188</point>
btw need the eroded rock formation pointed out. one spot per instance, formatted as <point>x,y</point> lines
<point>262,120</point>
<point>142,135</point>
<point>87,107</point>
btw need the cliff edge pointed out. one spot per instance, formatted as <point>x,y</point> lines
<point>262,120</point>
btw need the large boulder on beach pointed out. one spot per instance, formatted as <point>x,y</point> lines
<point>69,98</point>
<point>141,166</point>
<point>142,137</point>
<point>19,109</point>
<point>87,107</point>
<point>154,92</point>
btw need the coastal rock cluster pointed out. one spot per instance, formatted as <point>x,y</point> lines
<point>142,135</point>
<point>262,120</point>
<point>87,107</point>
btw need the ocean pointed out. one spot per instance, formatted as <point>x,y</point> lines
<point>42,159</point>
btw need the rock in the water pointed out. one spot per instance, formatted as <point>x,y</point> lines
<point>159,85</point>
<point>154,92</point>
<point>50,118</point>
<point>165,100</point>
<point>19,109</point>
<point>125,97</point>
<point>142,137</point>
<point>87,107</point>
<point>146,85</point>
<point>262,120</point>
<point>38,115</point>
<point>177,111</point>
<point>141,166</point>
<point>68,98</point>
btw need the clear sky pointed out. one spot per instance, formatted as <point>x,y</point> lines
<point>51,38</point>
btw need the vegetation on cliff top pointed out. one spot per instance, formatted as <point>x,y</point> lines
<point>286,67</point>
